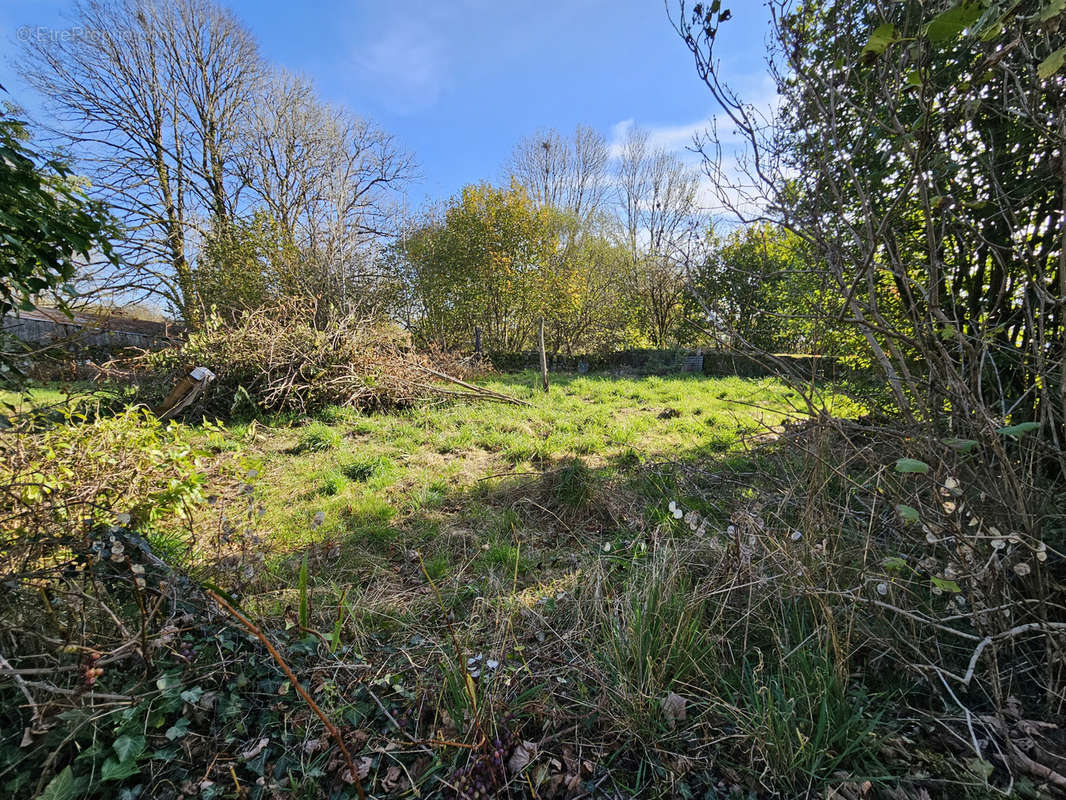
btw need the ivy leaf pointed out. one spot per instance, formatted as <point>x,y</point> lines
<point>193,695</point>
<point>129,748</point>
<point>911,465</point>
<point>907,513</point>
<point>178,729</point>
<point>63,786</point>
<point>981,768</point>
<point>1020,429</point>
<point>946,585</point>
<point>168,683</point>
<point>1052,64</point>
<point>113,770</point>
<point>946,25</point>
<point>880,39</point>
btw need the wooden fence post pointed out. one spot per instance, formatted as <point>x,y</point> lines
<point>543,356</point>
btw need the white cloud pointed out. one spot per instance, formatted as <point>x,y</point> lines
<point>407,65</point>
<point>679,139</point>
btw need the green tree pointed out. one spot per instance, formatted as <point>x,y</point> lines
<point>243,265</point>
<point>48,225</point>
<point>486,263</point>
<point>919,154</point>
<point>763,291</point>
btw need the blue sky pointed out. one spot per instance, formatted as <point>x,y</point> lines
<point>459,83</point>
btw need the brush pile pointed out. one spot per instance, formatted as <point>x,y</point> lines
<point>279,360</point>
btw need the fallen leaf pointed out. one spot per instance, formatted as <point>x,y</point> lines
<point>521,756</point>
<point>673,706</point>
<point>255,749</point>
<point>394,779</point>
<point>362,766</point>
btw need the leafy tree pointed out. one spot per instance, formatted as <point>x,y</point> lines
<point>919,153</point>
<point>486,264</point>
<point>48,225</point>
<point>763,291</point>
<point>242,266</point>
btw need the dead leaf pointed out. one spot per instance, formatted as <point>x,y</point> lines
<point>673,706</point>
<point>521,756</point>
<point>394,779</point>
<point>362,766</point>
<point>255,749</point>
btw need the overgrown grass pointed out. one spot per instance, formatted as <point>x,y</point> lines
<point>526,568</point>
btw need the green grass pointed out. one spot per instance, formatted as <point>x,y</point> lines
<point>455,464</point>
<point>546,530</point>
<point>317,437</point>
<point>35,396</point>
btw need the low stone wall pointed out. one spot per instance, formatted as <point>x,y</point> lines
<point>677,361</point>
<point>665,361</point>
<point>81,335</point>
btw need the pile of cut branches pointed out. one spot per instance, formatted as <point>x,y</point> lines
<point>278,360</point>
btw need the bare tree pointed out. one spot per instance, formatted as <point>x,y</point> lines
<point>152,96</point>
<point>568,174</point>
<point>329,178</point>
<point>657,196</point>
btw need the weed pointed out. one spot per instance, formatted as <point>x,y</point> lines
<point>317,437</point>
<point>335,415</point>
<point>332,483</point>
<point>802,720</point>
<point>573,483</point>
<point>437,566</point>
<point>656,644</point>
<point>363,469</point>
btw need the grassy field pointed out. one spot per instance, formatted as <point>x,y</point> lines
<point>540,573</point>
<point>501,531</point>
<point>410,479</point>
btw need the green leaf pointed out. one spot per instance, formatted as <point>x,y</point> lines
<point>894,563</point>
<point>880,39</point>
<point>1019,430</point>
<point>168,682</point>
<point>1053,9</point>
<point>63,786</point>
<point>193,695</point>
<point>907,513</point>
<point>908,465</point>
<point>113,770</point>
<point>128,748</point>
<point>992,31</point>
<point>946,25</point>
<point>981,768</point>
<point>303,615</point>
<point>1052,64</point>
<point>178,729</point>
<point>946,585</point>
<point>962,445</point>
